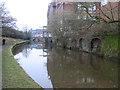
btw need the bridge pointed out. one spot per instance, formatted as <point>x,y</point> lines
<point>42,35</point>
<point>87,44</point>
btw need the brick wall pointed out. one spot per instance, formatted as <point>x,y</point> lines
<point>110,10</point>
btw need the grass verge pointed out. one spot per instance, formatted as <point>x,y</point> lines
<point>0,69</point>
<point>110,46</point>
<point>13,75</point>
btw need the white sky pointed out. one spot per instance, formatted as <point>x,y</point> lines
<point>30,12</point>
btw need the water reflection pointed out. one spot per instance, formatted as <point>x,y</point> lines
<point>80,70</point>
<point>59,68</point>
<point>34,61</point>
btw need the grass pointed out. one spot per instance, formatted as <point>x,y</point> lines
<point>110,46</point>
<point>0,69</point>
<point>13,75</point>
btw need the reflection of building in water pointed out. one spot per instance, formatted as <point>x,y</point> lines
<point>95,63</point>
<point>64,70</point>
<point>67,71</point>
<point>36,46</point>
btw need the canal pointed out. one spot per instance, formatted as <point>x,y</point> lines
<point>59,68</point>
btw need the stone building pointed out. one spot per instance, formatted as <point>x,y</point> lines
<point>72,23</point>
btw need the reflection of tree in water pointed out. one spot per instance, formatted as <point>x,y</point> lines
<point>26,51</point>
<point>95,62</point>
<point>29,47</point>
<point>19,48</point>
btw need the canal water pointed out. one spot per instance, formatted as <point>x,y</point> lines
<point>59,68</point>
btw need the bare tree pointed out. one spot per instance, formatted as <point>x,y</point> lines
<point>104,19</point>
<point>5,18</point>
<point>107,14</point>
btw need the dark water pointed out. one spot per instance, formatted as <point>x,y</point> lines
<point>59,68</point>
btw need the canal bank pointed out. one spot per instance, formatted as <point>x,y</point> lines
<point>102,46</point>
<point>110,47</point>
<point>13,76</point>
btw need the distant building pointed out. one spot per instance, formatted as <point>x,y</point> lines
<point>39,33</point>
<point>36,33</point>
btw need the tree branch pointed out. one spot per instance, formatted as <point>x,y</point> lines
<point>111,10</point>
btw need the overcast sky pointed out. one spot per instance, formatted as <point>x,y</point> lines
<point>30,12</point>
